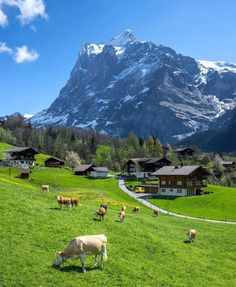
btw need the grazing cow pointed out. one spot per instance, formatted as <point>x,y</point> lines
<point>44,187</point>
<point>74,201</point>
<point>135,209</point>
<point>123,208</point>
<point>104,205</point>
<point>101,213</point>
<point>63,201</point>
<point>122,216</point>
<point>191,235</point>
<point>80,246</point>
<point>156,212</point>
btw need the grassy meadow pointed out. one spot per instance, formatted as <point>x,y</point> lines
<point>142,251</point>
<point>220,204</point>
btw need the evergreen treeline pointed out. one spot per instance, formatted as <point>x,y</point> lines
<point>88,144</point>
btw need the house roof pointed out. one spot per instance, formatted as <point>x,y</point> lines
<point>101,168</point>
<point>83,167</point>
<point>183,149</point>
<point>54,158</point>
<point>146,160</point>
<point>227,162</point>
<point>180,170</point>
<point>20,149</point>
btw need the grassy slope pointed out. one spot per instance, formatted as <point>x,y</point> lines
<point>221,204</point>
<point>144,251</point>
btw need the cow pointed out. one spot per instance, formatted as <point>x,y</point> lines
<point>191,235</point>
<point>63,201</point>
<point>82,245</point>
<point>44,187</point>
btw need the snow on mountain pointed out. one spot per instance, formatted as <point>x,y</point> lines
<point>132,85</point>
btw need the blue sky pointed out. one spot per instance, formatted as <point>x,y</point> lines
<point>40,40</point>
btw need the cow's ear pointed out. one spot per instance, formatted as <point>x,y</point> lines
<point>59,253</point>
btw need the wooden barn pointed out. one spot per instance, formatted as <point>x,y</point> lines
<point>144,167</point>
<point>228,165</point>
<point>25,173</point>
<point>185,152</point>
<point>21,156</point>
<point>54,162</point>
<point>83,169</point>
<point>181,180</point>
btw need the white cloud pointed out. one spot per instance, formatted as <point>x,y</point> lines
<point>4,48</point>
<point>23,54</point>
<point>29,10</point>
<point>3,19</point>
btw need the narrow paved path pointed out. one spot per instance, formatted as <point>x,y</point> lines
<point>154,207</point>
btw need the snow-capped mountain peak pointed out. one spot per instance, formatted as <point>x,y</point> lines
<point>123,39</point>
<point>131,85</point>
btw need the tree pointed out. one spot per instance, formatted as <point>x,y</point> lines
<point>72,159</point>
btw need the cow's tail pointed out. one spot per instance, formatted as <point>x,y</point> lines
<point>104,252</point>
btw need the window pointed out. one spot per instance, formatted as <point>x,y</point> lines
<point>171,190</point>
<point>179,190</point>
<point>163,182</point>
<point>179,182</point>
<point>189,183</point>
<point>163,190</point>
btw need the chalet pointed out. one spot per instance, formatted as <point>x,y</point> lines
<point>144,167</point>
<point>184,152</point>
<point>228,165</point>
<point>99,172</point>
<point>21,156</point>
<point>181,180</point>
<point>83,169</point>
<point>54,162</point>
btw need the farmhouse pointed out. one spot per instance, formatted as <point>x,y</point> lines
<point>83,169</point>
<point>99,172</point>
<point>21,156</point>
<point>228,165</point>
<point>181,180</point>
<point>184,153</point>
<point>144,167</point>
<point>54,162</point>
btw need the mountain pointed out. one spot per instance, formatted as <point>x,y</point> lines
<point>131,85</point>
<point>219,139</point>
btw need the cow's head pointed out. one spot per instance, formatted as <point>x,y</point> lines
<point>60,259</point>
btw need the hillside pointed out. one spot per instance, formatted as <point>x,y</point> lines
<point>152,251</point>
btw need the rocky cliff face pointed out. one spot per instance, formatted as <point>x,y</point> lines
<point>131,85</point>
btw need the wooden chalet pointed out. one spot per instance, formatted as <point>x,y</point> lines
<point>54,162</point>
<point>181,180</point>
<point>144,167</point>
<point>228,165</point>
<point>21,156</point>
<point>185,152</point>
<point>83,169</point>
<point>99,172</point>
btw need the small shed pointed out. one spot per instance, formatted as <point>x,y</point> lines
<point>83,169</point>
<point>25,173</point>
<point>99,172</point>
<point>54,162</point>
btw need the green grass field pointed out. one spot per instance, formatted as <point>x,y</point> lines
<point>3,146</point>
<point>220,204</point>
<point>143,251</point>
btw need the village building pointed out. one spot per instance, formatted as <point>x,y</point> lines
<point>144,167</point>
<point>54,162</point>
<point>83,169</point>
<point>228,165</point>
<point>185,153</point>
<point>181,180</point>
<point>20,156</point>
<point>99,172</point>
